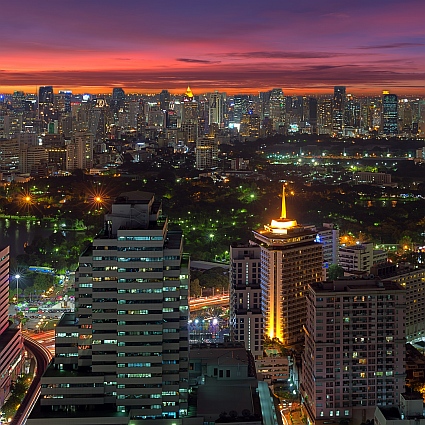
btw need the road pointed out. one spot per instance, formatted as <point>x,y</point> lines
<point>200,303</point>
<point>42,357</point>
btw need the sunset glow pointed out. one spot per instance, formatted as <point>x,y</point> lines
<point>303,47</point>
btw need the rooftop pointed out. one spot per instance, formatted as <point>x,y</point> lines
<point>138,197</point>
<point>7,336</point>
<point>355,284</point>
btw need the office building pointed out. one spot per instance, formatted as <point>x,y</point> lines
<point>354,349</point>
<point>291,259</point>
<point>164,100</point>
<point>250,126</point>
<point>246,319</point>
<point>124,352</point>
<point>216,109</point>
<point>46,101</point>
<point>313,114</point>
<point>276,108</point>
<point>338,109</point>
<point>118,99</point>
<point>240,107</point>
<point>11,341</point>
<point>389,114</point>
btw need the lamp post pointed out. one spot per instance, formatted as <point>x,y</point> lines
<point>17,277</point>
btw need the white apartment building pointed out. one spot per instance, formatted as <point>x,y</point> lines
<point>360,257</point>
<point>246,319</point>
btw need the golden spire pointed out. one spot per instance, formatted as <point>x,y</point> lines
<point>283,213</point>
<point>189,93</point>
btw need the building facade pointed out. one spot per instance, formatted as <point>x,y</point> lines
<point>125,350</point>
<point>11,341</point>
<point>291,259</point>
<point>354,350</point>
<point>246,319</point>
<point>360,257</point>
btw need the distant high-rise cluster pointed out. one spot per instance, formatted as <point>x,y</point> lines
<point>47,132</point>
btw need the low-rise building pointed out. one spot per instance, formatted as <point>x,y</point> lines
<point>410,411</point>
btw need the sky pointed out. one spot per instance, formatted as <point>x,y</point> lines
<point>302,46</point>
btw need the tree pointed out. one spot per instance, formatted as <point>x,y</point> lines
<point>335,271</point>
<point>195,288</point>
<point>42,283</point>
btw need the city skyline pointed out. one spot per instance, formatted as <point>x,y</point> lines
<point>235,47</point>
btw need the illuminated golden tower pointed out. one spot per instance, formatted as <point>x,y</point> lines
<point>290,260</point>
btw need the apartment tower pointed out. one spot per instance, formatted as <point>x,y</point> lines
<point>246,319</point>
<point>354,349</point>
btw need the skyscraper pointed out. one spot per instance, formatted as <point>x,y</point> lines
<point>389,114</point>
<point>118,98</point>
<point>312,118</point>
<point>338,108</point>
<point>291,259</point>
<point>277,108</point>
<point>215,108</point>
<point>164,100</point>
<point>46,102</point>
<point>126,346</point>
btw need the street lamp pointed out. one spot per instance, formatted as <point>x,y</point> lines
<point>17,277</point>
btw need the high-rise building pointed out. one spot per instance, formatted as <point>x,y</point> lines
<point>190,107</point>
<point>338,108</point>
<point>118,98</point>
<point>80,151</point>
<point>250,125</point>
<point>240,107</point>
<point>124,352</point>
<point>215,109</point>
<point>277,108</point>
<point>412,279</point>
<point>312,118</point>
<point>206,153</point>
<point>246,319</point>
<point>324,116</point>
<point>291,259</point>
<point>354,349</point>
<point>46,100</point>
<point>389,114</point>
<point>164,100</point>
<point>11,341</point>
<point>63,101</point>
